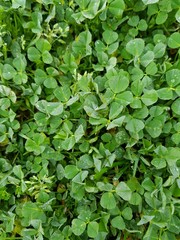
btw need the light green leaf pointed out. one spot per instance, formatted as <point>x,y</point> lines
<point>52,108</point>
<point>47,57</point>
<point>149,97</point>
<point>33,54</point>
<point>109,36</point>
<point>177,16</point>
<point>20,63</point>
<point>124,191</point>
<point>146,2</point>
<point>135,46</point>
<point>8,72</point>
<point>70,171</point>
<point>173,77</point>
<point>116,8</point>
<point>118,223</point>
<point>127,213</point>
<point>124,98</point>
<point>154,128</point>
<point>92,229</point>
<point>159,50</point>
<point>78,226</point>
<point>165,93</point>
<point>145,219</point>
<point>79,133</point>
<point>147,58</point>
<point>115,110</point>
<point>176,106</point>
<point>116,122</point>
<point>68,143</point>
<point>92,9</point>
<point>159,163</point>
<point>118,83</point>
<point>18,3</point>
<point>108,200</point>
<point>135,199</point>
<point>43,45</point>
<point>174,40</point>
<point>134,125</point>
<point>81,46</point>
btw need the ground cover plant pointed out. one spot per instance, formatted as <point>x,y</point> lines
<point>89,119</point>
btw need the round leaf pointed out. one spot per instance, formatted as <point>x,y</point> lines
<point>110,36</point>
<point>176,106</point>
<point>78,226</point>
<point>149,97</point>
<point>108,201</point>
<point>118,83</point>
<point>135,46</point>
<point>134,125</point>
<point>123,191</point>
<point>8,72</point>
<point>118,223</point>
<point>33,54</point>
<point>174,40</point>
<point>92,229</point>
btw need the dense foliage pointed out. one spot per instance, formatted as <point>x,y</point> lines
<point>89,119</point>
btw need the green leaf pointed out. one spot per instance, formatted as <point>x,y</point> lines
<point>85,162</point>
<point>127,213</point>
<point>68,143</point>
<point>81,46</point>
<point>8,72</point>
<point>174,40</point>
<point>92,9</point>
<point>18,3</point>
<point>33,54</point>
<point>135,46</point>
<point>159,163</point>
<point>145,219</point>
<point>70,171</point>
<point>6,91</point>
<point>92,229</point>
<point>159,50</point>
<point>62,93</point>
<point>78,226</point>
<point>116,8</point>
<point>149,97</point>
<point>147,58</point>
<point>165,93</point>
<point>177,16</point>
<point>20,63</point>
<point>83,4</point>
<point>147,2</point>
<point>151,233</point>
<point>108,200</point>
<point>43,45</point>
<point>118,83</point>
<point>124,191</point>
<point>173,77</point>
<point>134,125</point>
<point>115,110</point>
<point>154,128</point>
<point>52,108</point>
<point>30,211</point>
<point>79,133</point>
<point>46,57</point>
<point>135,199</point>
<point>176,106</point>
<point>161,17</point>
<point>118,223</point>
<point>109,36</point>
<point>116,123</point>
<point>124,98</point>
